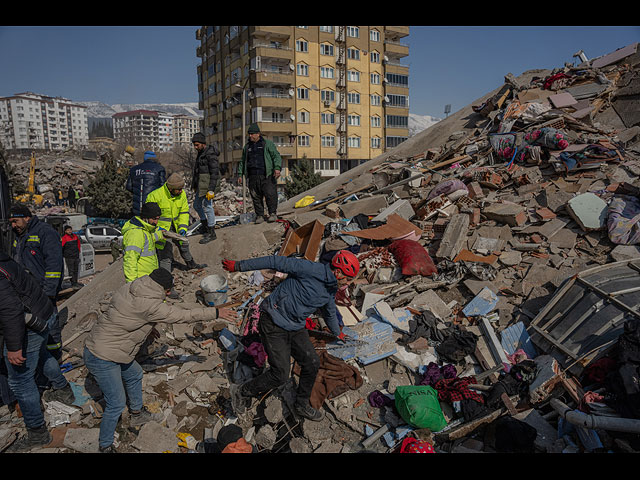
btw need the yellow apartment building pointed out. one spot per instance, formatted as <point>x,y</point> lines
<point>336,95</point>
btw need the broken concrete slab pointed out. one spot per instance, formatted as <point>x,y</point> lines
<point>400,207</point>
<point>367,206</point>
<point>431,301</point>
<point>510,213</point>
<point>454,237</point>
<point>589,211</point>
<point>625,252</point>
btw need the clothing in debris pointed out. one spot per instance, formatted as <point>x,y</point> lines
<point>456,389</point>
<point>434,373</point>
<point>145,178</point>
<point>458,344</point>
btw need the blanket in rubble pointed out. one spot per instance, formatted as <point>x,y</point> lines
<point>335,377</point>
<point>623,220</point>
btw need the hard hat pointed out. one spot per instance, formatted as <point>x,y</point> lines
<point>347,262</point>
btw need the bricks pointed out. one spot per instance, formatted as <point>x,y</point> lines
<point>475,190</point>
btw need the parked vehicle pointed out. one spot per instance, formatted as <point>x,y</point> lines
<point>100,236</point>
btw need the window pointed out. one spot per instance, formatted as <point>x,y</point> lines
<point>353,76</point>
<point>398,79</point>
<point>353,32</point>
<point>353,54</point>
<point>375,79</point>
<point>328,141</point>
<point>327,95</point>
<point>303,93</point>
<point>303,141</point>
<point>374,35</point>
<point>326,72</point>
<point>326,29</point>
<point>303,117</point>
<point>354,142</point>
<point>394,141</point>
<point>375,57</point>
<point>353,120</point>
<point>397,121</point>
<point>375,142</point>
<point>326,49</point>
<point>353,98</point>
<point>302,46</point>
<point>328,118</point>
<point>375,121</point>
<point>399,100</point>
<point>302,70</point>
<point>375,100</point>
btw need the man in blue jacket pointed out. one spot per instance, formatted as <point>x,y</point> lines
<point>145,178</point>
<point>309,287</point>
<point>38,249</point>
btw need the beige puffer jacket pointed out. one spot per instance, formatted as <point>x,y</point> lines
<point>135,307</point>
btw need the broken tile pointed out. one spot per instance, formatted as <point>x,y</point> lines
<point>589,211</point>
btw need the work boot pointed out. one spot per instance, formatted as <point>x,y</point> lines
<point>64,395</point>
<point>192,265</point>
<point>272,218</point>
<point>307,411</point>
<point>35,437</point>
<point>204,225</point>
<point>109,449</point>
<point>141,417</point>
<point>209,236</point>
<point>173,295</point>
<point>239,401</point>
<point>259,219</point>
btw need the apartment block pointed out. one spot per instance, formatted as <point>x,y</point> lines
<point>184,128</point>
<point>336,95</point>
<point>34,121</point>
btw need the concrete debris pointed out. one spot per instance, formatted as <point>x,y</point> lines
<point>506,200</point>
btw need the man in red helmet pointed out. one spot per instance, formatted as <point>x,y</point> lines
<point>309,286</point>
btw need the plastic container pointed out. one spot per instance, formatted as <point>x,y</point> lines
<point>214,288</point>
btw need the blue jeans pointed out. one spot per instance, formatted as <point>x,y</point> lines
<point>117,382</point>
<point>205,209</point>
<point>21,378</point>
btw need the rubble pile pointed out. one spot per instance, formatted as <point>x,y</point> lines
<point>495,309</point>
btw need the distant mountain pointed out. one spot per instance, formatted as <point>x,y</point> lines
<point>418,123</point>
<point>100,110</point>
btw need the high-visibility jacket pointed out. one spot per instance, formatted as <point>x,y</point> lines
<point>174,210</point>
<point>139,240</point>
<point>39,250</point>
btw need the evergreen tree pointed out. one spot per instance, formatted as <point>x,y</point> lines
<point>109,196</point>
<point>302,178</point>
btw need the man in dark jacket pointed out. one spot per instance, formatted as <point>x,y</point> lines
<point>38,249</point>
<point>26,313</point>
<point>145,178</point>
<point>71,249</point>
<point>261,164</point>
<point>309,286</point>
<point>204,182</point>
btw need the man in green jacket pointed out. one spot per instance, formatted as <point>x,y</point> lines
<point>140,235</point>
<point>261,164</point>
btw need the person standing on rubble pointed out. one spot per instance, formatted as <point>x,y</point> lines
<point>37,247</point>
<point>309,286</point>
<point>206,173</point>
<point>71,249</point>
<point>26,314</point>
<point>261,164</point>
<point>173,203</point>
<point>145,178</point>
<point>139,238</point>
<point>71,197</point>
<point>115,339</point>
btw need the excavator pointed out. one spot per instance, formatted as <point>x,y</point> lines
<point>31,194</point>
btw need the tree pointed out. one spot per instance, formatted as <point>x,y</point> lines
<point>302,178</point>
<point>108,193</point>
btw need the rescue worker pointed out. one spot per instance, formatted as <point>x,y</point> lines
<point>71,249</point>
<point>38,249</point>
<point>26,313</point>
<point>204,182</point>
<point>145,178</point>
<point>116,338</point>
<point>173,203</point>
<point>261,164</point>
<point>309,286</point>
<point>140,235</point>
<point>116,249</point>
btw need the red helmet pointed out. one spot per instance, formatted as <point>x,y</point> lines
<point>347,262</point>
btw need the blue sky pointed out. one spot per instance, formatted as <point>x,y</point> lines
<point>145,64</point>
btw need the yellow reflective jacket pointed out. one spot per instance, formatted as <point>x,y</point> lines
<point>175,210</point>
<point>139,240</point>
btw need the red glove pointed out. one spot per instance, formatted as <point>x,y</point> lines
<point>229,265</point>
<point>342,336</point>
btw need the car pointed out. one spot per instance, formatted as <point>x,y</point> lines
<point>100,236</point>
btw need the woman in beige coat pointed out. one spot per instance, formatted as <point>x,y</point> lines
<point>115,339</point>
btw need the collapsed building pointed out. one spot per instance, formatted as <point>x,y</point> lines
<point>496,309</point>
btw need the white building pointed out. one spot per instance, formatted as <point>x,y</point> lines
<point>32,121</point>
<point>184,128</point>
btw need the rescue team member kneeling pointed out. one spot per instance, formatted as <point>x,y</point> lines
<point>115,339</point>
<point>309,286</point>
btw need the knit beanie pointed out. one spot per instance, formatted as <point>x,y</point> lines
<point>254,128</point>
<point>150,155</point>
<point>175,181</point>
<point>19,210</point>
<point>199,137</point>
<point>150,210</point>
<point>162,277</point>
<point>228,434</point>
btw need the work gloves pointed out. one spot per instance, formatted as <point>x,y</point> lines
<point>183,232</point>
<point>229,265</point>
<point>210,195</point>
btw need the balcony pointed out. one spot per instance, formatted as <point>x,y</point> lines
<point>271,32</point>
<point>395,49</point>
<point>396,31</point>
<point>280,76</point>
<point>267,50</point>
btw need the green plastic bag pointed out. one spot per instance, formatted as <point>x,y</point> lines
<point>418,405</point>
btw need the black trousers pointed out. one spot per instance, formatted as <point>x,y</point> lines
<point>263,188</point>
<point>73,265</point>
<point>280,346</point>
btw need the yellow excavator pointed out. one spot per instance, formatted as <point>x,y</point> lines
<point>31,186</point>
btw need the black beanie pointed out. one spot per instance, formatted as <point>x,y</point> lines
<point>162,277</point>
<point>200,138</point>
<point>150,210</point>
<point>19,210</point>
<point>228,434</point>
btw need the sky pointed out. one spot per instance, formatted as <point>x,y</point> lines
<point>453,65</point>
